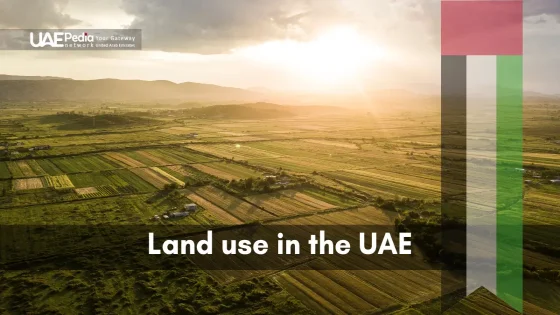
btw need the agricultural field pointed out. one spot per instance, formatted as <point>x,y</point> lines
<point>387,184</point>
<point>227,170</point>
<point>236,207</point>
<point>28,183</point>
<point>84,164</point>
<point>5,171</point>
<point>153,177</point>
<point>342,170</point>
<point>120,181</point>
<point>288,202</point>
<point>168,176</point>
<point>123,160</point>
<point>59,182</point>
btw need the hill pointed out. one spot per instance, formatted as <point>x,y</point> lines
<point>258,111</point>
<point>6,77</point>
<point>112,90</point>
<point>71,121</point>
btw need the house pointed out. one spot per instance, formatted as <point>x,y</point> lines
<point>190,207</point>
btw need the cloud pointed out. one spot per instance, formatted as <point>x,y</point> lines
<point>35,14</point>
<point>216,26</point>
<point>540,7</point>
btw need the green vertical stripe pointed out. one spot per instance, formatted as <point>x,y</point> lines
<point>509,180</point>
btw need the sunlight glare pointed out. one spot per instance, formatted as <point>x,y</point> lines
<point>337,56</point>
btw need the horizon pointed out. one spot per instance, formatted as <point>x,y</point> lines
<point>292,46</point>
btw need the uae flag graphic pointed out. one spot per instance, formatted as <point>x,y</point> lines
<point>482,134</point>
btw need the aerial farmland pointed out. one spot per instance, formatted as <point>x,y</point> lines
<point>337,168</point>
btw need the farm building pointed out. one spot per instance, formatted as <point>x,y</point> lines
<point>192,135</point>
<point>190,207</point>
<point>555,181</point>
<point>178,214</point>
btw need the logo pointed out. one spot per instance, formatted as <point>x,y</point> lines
<point>60,40</point>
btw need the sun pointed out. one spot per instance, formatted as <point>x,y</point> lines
<point>339,55</point>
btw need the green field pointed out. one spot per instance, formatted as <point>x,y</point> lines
<point>346,169</point>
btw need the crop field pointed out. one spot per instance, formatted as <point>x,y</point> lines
<point>335,292</point>
<point>234,206</point>
<point>338,170</point>
<point>86,191</point>
<point>387,186</point>
<point>300,165</point>
<point>15,170</point>
<point>4,171</point>
<point>153,158</point>
<point>119,181</point>
<point>123,160</point>
<point>174,156</point>
<point>288,202</point>
<point>549,160</point>
<point>5,187</point>
<point>114,210</point>
<point>141,158</point>
<point>179,170</point>
<point>330,198</point>
<point>48,167</point>
<point>152,177</point>
<point>356,290</point>
<point>236,151</point>
<point>35,167</point>
<point>82,164</point>
<point>168,176</point>
<point>28,183</point>
<point>59,182</point>
<point>218,213</point>
<point>25,169</point>
<point>228,171</point>
<point>339,144</point>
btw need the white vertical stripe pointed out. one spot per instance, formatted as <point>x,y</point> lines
<point>481,173</point>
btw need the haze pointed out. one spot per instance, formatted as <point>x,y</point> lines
<point>288,45</point>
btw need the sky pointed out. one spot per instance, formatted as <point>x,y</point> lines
<point>283,45</point>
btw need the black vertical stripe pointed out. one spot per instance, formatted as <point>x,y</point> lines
<point>453,175</point>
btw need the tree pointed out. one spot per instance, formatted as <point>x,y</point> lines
<point>249,183</point>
